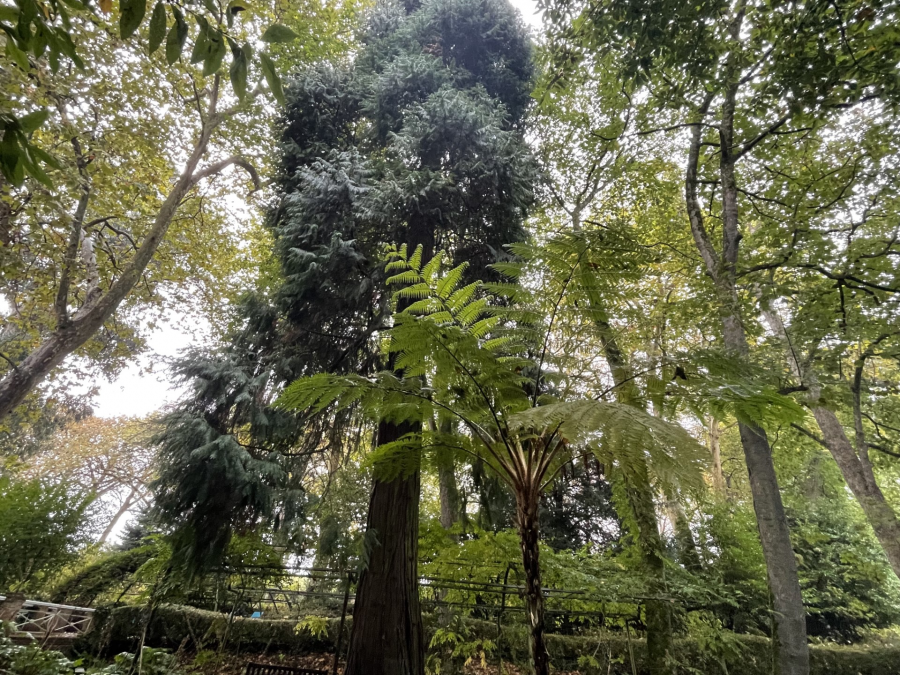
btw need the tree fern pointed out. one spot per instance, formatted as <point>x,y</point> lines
<point>478,358</point>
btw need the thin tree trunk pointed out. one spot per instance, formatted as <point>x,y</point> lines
<point>855,466</point>
<point>527,525</point>
<point>74,331</point>
<point>774,533</point>
<point>715,449</point>
<point>123,508</point>
<point>387,636</point>
<point>449,493</point>
<point>860,479</point>
<point>684,537</point>
<point>636,482</point>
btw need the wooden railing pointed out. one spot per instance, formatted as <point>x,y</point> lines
<point>48,619</point>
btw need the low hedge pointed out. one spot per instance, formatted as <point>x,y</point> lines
<point>119,629</point>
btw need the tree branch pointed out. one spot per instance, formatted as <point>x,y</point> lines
<point>235,160</point>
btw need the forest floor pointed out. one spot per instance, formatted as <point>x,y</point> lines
<point>230,664</point>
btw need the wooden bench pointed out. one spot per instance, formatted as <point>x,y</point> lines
<point>266,669</point>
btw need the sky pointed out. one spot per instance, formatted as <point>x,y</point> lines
<point>144,387</point>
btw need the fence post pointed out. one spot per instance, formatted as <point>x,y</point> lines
<point>9,608</point>
<point>340,636</point>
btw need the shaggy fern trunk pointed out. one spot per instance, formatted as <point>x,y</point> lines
<point>528,526</point>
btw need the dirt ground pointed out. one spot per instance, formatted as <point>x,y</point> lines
<point>230,664</point>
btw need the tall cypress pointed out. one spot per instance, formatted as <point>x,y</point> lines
<point>419,141</point>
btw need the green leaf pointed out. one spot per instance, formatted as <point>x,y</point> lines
<point>238,71</point>
<point>278,33</point>
<point>9,14</point>
<point>35,171</point>
<point>16,54</point>
<point>236,6</point>
<point>217,49</point>
<point>131,14</point>
<point>272,79</point>
<point>177,37</point>
<point>46,158</point>
<point>33,120</point>
<point>157,32</point>
<point>211,7</point>
<point>201,46</point>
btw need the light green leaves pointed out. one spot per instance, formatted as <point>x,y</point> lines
<point>131,14</point>
<point>278,33</point>
<point>33,120</point>
<point>19,157</point>
<point>272,78</point>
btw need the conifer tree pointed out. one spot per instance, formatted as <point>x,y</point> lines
<point>417,142</point>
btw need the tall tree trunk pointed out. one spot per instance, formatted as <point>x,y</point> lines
<point>715,449</point>
<point>449,491</point>
<point>387,636</point>
<point>449,494</point>
<point>528,527</point>
<point>123,508</point>
<point>637,486</point>
<point>774,533</point>
<point>860,478</point>
<point>684,537</point>
<point>853,462</point>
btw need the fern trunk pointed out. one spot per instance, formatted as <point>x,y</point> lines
<point>528,527</point>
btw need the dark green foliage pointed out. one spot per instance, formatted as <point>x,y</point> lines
<point>30,658</point>
<point>419,138</point>
<point>111,572</point>
<point>42,528</point>
<point>847,583</point>
<point>121,627</point>
<point>578,510</point>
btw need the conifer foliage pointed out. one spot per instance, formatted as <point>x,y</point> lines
<point>418,141</point>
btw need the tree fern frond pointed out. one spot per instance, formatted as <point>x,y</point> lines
<point>508,270</point>
<point>450,281</point>
<point>397,459</point>
<point>418,291</point>
<point>470,313</point>
<point>415,261</point>
<point>406,277</point>
<point>462,296</point>
<point>483,327</point>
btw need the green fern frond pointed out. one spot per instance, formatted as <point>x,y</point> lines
<point>483,327</point>
<point>398,459</point>
<point>415,261</point>
<point>450,281</point>
<point>470,313</point>
<point>418,291</point>
<point>509,270</point>
<point>462,296</point>
<point>406,277</point>
<point>503,289</point>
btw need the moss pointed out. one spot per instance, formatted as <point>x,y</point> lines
<point>119,630</point>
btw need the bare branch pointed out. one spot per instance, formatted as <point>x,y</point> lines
<point>218,167</point>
